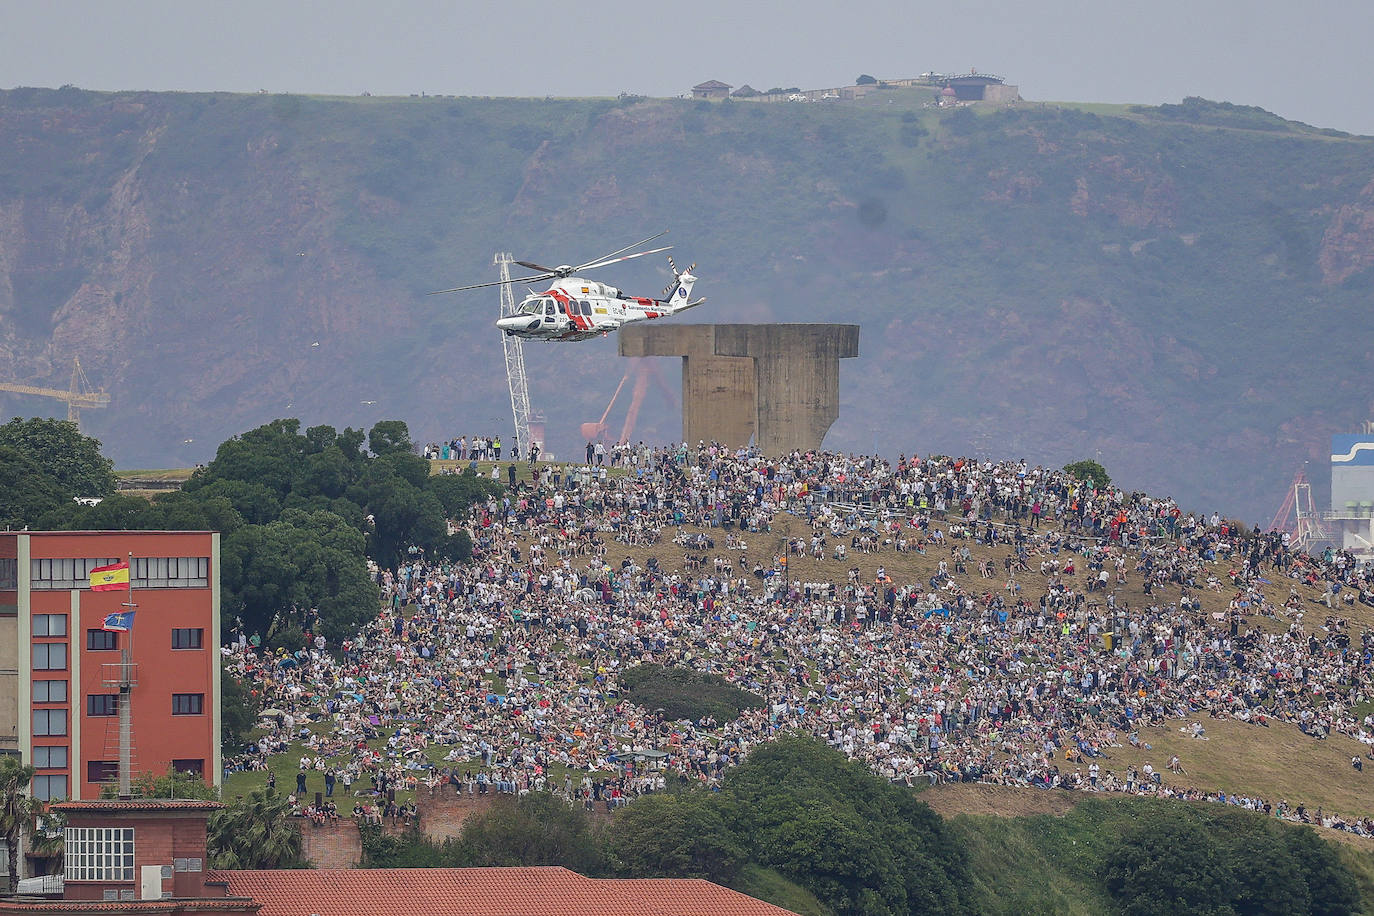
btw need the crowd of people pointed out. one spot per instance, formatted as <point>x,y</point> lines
<point>1012,658</point>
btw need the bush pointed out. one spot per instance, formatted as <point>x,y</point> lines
<point>684,694</point>
<point>1090,472</point>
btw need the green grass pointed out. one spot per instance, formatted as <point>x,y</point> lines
<point>156,474</point>
<point>766,884</point>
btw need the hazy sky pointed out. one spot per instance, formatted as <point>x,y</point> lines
<point>1307,61</point>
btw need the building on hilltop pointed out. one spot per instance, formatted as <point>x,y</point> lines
<point>61,664</point>
<point>149,856</point>
<point>711,89</point>
<point>1351,519</point>
<point>981,87</point>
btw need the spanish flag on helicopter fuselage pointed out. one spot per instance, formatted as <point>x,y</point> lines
<point>110,578</point>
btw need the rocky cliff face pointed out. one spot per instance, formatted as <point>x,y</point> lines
<point>1175,300</point>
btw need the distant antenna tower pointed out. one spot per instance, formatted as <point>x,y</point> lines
<point>515,361</point>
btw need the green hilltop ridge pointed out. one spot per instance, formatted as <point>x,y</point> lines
<point>1172,287</point>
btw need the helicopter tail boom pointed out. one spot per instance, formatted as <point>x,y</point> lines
<point>677,296</point>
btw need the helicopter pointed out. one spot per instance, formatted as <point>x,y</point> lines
<point>573,308</point>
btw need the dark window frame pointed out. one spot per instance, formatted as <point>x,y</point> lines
<point>188,704</point>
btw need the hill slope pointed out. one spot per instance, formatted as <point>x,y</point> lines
<point>1171,287</point>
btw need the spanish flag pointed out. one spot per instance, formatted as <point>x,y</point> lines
<point>110,578</point>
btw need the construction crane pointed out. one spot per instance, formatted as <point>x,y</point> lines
<point>79,393</point>
<point>1299,516</point>
<point>515,362</point>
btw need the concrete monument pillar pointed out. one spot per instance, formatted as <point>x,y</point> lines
<point>779,383</point>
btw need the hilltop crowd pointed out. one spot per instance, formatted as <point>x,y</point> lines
<point>1022,666</point>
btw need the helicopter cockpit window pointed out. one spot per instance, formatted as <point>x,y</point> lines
<point>530,306</point>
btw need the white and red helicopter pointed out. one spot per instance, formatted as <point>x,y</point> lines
<point>577,309</point>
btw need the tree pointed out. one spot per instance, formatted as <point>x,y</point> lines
<point>859,843</point>
<point>1166,864</point>
<point>16,808</point>
<point>58,447</point>
<point>684,835</point>
<point>256,832</point>
<point>237,714</point>
<point>301,561</point>
<point>389,436</point>
<point>1090,472</point>
<point>27,492</point>
<point>169,785</point>
<point>457,493</point>
<point>537,829</point>
<point>865,80</point>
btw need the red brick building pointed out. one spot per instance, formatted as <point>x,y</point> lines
<point>148,856</point>
<point>59,670</point>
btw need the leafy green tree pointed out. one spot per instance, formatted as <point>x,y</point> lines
<point>863,79</point>
<point>301,561</point>
<point>256,503</point>
<point>1164,865</point>
<point>859,843</point>
<point>457,493</point>
<point>58,447</point>
<point>168,785</point>
<point>238,714</point>
<point>27,492</point>
<point>17,809</point>
<point>256,832</point>
<point>683,835</point>
<point>388,437</point>
<point>411,849</point>
<point>1090,472</point>
<point>1331,886</point>
<point>402,513</point>
<point>536,829</point>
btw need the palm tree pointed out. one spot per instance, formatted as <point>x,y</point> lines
<point>256,832</point>
<point>16,808</point>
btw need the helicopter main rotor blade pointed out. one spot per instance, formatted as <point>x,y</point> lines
<point>539,267</point>
<point>625,258</point>
<point>595,262</point>
<point>514,280</point>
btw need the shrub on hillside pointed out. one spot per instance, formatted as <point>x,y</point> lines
<point>684,694</point>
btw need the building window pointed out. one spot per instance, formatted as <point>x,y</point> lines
<point>50,691</point>
<point>101,640</point>
<point>9,574</point>
<point>49,624</point>
<point>50,758</point>
<point>102,770</point>
<point>48,788</point>
<point>49,656</point>
<point>189,767</point>
<point>188,638</point>
<point>171,572</point>
<point>49,722</point>
<point>102,704</point>
<point>188,864</point>
<point>64,574</point>
<point>98,854</point>
<point>187,704</point>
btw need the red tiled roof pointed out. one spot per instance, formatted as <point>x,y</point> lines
<point>138,804</point>
<point>538,891</point>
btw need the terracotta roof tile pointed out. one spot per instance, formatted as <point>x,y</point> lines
<point>541,891</point>
<point>138,804</point>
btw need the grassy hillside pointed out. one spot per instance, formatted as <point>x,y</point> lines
<point>1170,287</point>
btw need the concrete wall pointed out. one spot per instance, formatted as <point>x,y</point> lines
<point>779,383</point>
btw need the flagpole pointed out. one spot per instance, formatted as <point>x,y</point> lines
<point>125,692</point>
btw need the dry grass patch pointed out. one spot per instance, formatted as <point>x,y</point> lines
<point>1278,762</point>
